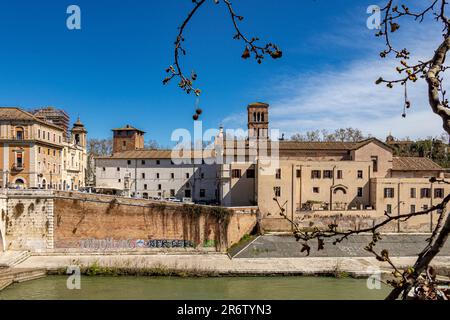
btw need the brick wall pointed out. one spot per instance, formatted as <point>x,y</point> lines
<point>84,221</point>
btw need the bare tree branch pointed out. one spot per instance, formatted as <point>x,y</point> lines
<point>186,83</point>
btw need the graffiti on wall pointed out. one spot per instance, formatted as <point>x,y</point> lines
<point>105,244</point>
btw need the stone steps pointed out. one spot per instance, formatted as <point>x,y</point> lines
<point>13,275</point>
<point>5,283</point>
<point>27,275</point>
<point>10,259</point>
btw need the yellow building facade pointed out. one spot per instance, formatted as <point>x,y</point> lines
<point>33,152</point>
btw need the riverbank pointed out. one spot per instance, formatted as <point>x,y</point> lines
<point>222,265</point>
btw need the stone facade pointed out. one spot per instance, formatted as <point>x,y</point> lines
<point>27,218</point>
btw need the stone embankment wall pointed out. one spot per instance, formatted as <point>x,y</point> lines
<point>26,221</point>
<point>352,220</point>
<point>40,220</point>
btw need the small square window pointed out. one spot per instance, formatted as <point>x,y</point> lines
<point>277,191</point>
<point>316,190</point>
<point>439,193</point>
<point>360,192</point>
<point>315,174</point>
<point>389,192</point>
<point>389,208</point>
<point>328,174</point>
<point>278,174</point>
<point>360,174</point>
<point>236,173</point>
<point>425,193</point>
<point>158,162</point>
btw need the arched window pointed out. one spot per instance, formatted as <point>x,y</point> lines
<point>340,189</point>
<point>20,183</point>
<point>254,116</point>
<point>262,117</point>
<point>77,139</point>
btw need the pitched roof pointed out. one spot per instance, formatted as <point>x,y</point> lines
<point>16,113</point>
<point>414,164</point>
<point>335,145</point>
<point>306,145</point>
<point>128,128</point>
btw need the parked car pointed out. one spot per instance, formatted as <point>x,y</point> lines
<point>173,199</point>
<point>86,189</point>
<point>188,201</point>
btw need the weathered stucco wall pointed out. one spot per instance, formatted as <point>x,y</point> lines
<point>92,222</point>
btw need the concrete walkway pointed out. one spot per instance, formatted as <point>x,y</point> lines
<point>223,265</point>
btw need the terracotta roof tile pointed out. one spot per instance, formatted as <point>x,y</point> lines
<point>127,128</point>
<point>15,113</point>
<point>414,163</point>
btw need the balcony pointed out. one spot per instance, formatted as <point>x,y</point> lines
<point>17,167</point>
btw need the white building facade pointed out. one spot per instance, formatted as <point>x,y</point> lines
<point>152,174</point>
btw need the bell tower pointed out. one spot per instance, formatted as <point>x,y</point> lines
<point>258,120</point>
<point>79,134</point>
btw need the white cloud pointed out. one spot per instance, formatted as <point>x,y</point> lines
<point>332,98</point>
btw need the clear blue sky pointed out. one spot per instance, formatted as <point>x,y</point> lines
<point>110,72</point>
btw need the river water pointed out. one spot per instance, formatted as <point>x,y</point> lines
<point>172,288</point>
